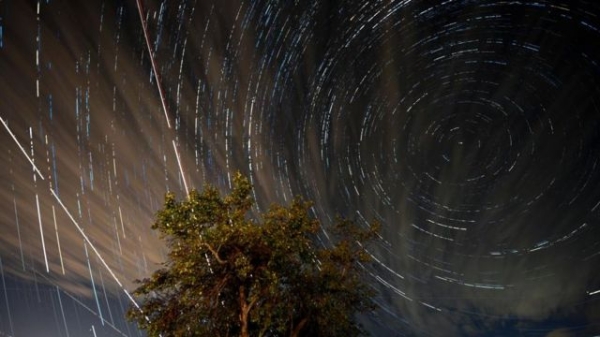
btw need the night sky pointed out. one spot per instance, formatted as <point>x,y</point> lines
<point>469,129</point>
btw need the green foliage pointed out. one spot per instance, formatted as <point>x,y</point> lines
<point>229,275</point>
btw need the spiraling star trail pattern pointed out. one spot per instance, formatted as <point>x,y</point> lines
<point>469,129</point>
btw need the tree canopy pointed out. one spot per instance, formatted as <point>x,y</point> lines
<point>229,274</point>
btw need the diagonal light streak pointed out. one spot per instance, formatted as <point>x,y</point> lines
<point>81,231</point>
<point>21,147</point>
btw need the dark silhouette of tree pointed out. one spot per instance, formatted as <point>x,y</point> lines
<point>228,274</point>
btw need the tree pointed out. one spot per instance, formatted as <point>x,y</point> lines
<point>228,274</point>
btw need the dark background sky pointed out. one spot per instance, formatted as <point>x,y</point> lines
<point>470,129</point>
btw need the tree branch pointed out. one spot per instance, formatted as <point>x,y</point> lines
<point>253,302</point>
<point>214,252</point>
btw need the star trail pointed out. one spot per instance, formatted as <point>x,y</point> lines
<point>469,128</point>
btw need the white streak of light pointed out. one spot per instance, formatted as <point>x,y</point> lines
<point>594,292</point>
<point>85,237</point>
<point>106,298</point>
<point>594,208</point>
<point>114,167</point>
<point>117,235</point>
<point>19,233</point>
<point>430,306</point>
<point>62,265</point>
<point>21,147</point>
<point>37,204</point>
<point>32,155</point>
<point>62,311</point>
<point>87,257</point>
<point>122,225</point>
<point>187,191</point>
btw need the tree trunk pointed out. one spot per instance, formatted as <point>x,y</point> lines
<point>243,313</point>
